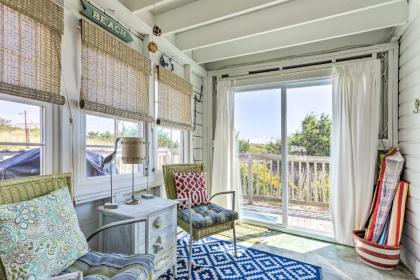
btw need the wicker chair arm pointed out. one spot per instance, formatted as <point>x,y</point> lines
<point>117,224</point>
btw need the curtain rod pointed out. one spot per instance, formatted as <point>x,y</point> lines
<point>299,67</point>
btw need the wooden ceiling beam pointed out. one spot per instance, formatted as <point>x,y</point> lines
<point>393,14</point>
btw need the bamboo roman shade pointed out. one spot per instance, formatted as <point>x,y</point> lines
<point>174,100</point>
<point>30,49</point>
<point>115,78</point>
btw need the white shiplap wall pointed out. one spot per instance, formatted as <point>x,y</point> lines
<point>409,141</point>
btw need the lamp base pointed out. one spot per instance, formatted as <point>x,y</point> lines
<point>109,205</point>
<point>147,196</point>
<point>132,201</point>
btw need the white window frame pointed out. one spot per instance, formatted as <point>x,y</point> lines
<point>184,145</point>
<point>49,113</point>
<point>92,188</point>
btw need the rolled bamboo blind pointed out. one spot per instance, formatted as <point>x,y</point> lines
<point>30,49</point>
<point>174,100</point>
<point>115,78</point>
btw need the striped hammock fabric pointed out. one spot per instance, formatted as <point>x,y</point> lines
<point>397,215</point>
<point>391,169</point>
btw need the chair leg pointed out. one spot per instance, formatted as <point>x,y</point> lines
<point>234,240</point>
<point>190,257</point>
<point>175,271</point>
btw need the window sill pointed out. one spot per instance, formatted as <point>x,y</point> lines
<point>91,190</point>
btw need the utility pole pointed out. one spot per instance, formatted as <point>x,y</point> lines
<point>26,129</point>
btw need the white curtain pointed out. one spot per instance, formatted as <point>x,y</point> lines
<point>225,171</point>
<point>355,127</point>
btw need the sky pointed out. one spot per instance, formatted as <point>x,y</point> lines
<point>258,113</point>
<point>14,112</point>
<point>100,124</point>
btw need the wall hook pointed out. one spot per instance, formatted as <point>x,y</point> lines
<point>416,106</point>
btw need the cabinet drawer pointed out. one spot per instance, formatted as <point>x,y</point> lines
<point>162,220</point>
<point>162,242</point>
<point>163,263</point>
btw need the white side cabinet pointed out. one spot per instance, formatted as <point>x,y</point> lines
<point>158,237</point>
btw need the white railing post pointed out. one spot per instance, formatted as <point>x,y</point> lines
<point>250,181</point>
<point>300,182</point>
<point>323,184</point>
<point>292,175</point>
<point>305,188</point>
<point>271,178</point>
<point>257,192</point>
<point>315,184</point>
<point>307,181</point>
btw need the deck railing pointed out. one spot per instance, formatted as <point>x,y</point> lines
<point>308,179</point>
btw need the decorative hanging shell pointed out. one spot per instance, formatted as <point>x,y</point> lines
<point>156,30</point>
<point>153,47</point>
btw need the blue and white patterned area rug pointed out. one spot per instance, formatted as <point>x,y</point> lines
<point>214,259</point>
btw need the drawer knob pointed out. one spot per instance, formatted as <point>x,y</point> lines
<point>157,222</point>
<point>157,248</point>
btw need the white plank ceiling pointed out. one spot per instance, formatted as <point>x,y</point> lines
<point>217,30</point>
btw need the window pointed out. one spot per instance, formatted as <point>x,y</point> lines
<point>101,133</point>
<point>30,52</point>
<point>22,147</point>
<point>171,146</point>
<point>172,143</point>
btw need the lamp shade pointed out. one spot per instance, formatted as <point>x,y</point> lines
<point>133,150</point>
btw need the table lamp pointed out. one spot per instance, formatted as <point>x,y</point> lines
<point>133,152</point>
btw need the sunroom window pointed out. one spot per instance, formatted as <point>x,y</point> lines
<point>101,133</point>
<point>171,146</point>
<point>21,140</point>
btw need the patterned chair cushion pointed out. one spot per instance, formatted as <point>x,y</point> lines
<point>204,216</point>
<point>100,266</point>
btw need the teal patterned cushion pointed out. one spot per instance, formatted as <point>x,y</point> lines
<point>41,237</point>
<point>204,216</point>
<point>102,266</point>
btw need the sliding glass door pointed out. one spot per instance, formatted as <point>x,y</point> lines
<point>309,137</point>
<point>258,125</point>
<point>284,135</point>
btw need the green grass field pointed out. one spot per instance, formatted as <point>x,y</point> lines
<point>17,135</point>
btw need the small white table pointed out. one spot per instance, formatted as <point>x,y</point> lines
<point>158,238</point>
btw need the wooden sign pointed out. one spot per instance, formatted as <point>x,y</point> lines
<point>107,22</point>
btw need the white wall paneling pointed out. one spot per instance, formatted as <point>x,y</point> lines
<point>88,214</point>
<point>409,140</point>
